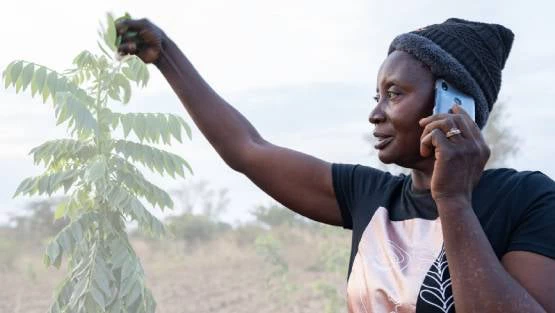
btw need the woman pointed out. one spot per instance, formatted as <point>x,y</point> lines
<point>496,228</point>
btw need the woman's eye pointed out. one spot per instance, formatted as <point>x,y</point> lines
<point>392,94</point>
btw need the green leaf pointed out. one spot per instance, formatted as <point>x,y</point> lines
<point>18,84</point>
<point>102,280</point>
<point>178,169</point>
<point>8,70</point>
<point>104,50</point>
<point>26,186</point>
<point>72,107</point>
<point>129,268</point>
<point>98,297</point>
<point>85,60</point>
<point>51,83</point>
<point>16,71</point>
<point>150,127</point>
<point>46,183</point>
<point>129,73</point>
<point>62,149</point>
<point>7,75</point>
<point>60,210</point>
<point>114,94</point>
<point>38,80</point>
<point>114,120</point>
<point>153,129</point>
<point>65,240</point>
<point>53,252</point>
<point>119,257</point>
<point>27,75</point>
<point>168,165</point>
<point>116,307</point>
<point>139,125</point>
<point>185,126</point>
<point>136,210</point>
<point>90,304</point>
<point>136,71</point>
<point>77,231</point>
<point>127,124</point>
<point>130,177</point>
<point>95,170</point>
<point>110,34</point>
<point>175,127</point>
<point>123,82</point>
<point>78,291</point>
<point>127,278</point>
<point>166,132</point>
<point>151,157</point>
<point>45,93</point>
<point>135,293</point>
<point>144,75</point>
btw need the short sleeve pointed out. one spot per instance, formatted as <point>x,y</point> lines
<point>535,228</point>
<point>350,183</point>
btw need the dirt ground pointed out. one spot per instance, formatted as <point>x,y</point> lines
<point>217,276</point>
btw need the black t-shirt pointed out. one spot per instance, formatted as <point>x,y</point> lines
<point>398,261</point>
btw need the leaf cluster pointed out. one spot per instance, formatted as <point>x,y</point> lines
<point>98,172</point>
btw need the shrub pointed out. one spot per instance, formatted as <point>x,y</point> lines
<point>195,229</point>
<point>276,215</point>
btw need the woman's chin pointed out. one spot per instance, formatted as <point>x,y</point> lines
<point>385,157</point>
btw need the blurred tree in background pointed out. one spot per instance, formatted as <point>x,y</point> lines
<point>501,139</point>
<point>274,215</point>
<point>198,197</point>
<point>37,222</point>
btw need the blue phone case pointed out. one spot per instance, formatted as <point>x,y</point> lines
<point>447,96</point>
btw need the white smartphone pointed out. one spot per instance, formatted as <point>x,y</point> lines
<point>447,95</point>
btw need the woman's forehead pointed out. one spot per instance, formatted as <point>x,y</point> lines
<point>400,66</point>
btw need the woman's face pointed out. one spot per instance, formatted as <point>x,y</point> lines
<point>405,94</point>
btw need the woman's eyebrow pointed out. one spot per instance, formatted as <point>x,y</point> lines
<point>392,82</point>
<point>389,82</point>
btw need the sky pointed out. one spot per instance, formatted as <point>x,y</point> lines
<point>303,73</point>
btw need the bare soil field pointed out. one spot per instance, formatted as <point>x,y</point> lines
<point>221,275</point>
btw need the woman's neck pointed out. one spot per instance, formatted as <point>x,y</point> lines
<point>422,178</point>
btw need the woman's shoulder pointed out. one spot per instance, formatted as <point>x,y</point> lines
<point>519,184</point>
<point>512,176</point>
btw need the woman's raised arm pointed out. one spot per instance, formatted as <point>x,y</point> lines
<point>299,181</point>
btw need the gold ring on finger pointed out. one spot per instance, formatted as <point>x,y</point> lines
<point>452,132</point>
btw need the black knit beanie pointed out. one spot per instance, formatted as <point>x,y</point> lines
<point>469,55</point>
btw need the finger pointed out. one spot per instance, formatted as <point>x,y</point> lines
<point>434,117</point>
<point>471,125</point>
<point>127,48</point>
<point>465,122</point>
<point>458,109</point>
<point>130,25</point>
<point>445,125</point>
<point>432,141</point>
<point>459,121</point>
<point>438,115</point>
<point>440,141</point>
<point>426,146</point>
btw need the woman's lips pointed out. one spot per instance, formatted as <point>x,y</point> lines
<point>382,142</point>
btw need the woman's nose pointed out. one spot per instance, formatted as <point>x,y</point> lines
<point>377,115</point>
